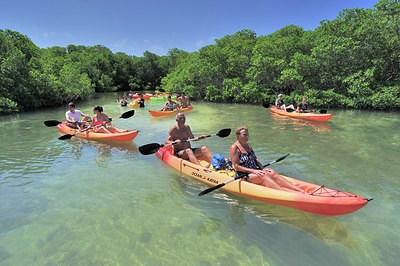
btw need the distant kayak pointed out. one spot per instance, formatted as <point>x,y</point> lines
<point>134,103</point>
<point>145,96</point>
<point>317,199</point>
<point>126,135</point>
<point>161,97</point>
<point>308,116</point>
<point>157,113</point>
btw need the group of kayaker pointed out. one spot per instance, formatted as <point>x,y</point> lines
<point>99,122</point>
<point>170,105</point>
<point>301,107</point>
<point>241,153</point>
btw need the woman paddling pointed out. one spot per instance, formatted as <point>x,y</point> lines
<point>245,161</point>
<point>100,121</point>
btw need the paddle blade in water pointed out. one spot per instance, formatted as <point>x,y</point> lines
<point>323,111</point>
<point>64,137</point>
<point>149,148</point>
<point>283,157</point>
<point>128,114</point>
<point>266,105</point>
<point>52,123</point>
<point>224,132</point>
<point>208,190</point>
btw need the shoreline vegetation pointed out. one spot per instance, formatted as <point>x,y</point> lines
<point>352,61</point>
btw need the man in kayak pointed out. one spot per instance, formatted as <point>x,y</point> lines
<point>180,133</point>
<point>302,107</point>
<point>184,100</point>
<point>141,100</point>
<point>281,105</point>
<point>72,117</point>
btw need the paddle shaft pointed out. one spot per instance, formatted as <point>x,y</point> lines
<point>154,147</point>
<point>193,139</point>
<point>237,177</point>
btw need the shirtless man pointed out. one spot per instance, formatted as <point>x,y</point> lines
<point>184,100</point>
<point>181,132</point>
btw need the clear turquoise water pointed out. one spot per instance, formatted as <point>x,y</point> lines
<point>83,202</point>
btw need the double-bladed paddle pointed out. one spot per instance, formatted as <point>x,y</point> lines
<point>153,147</point>
<point>53,123</point>
<point>124,116</point>
<point>208,190</point>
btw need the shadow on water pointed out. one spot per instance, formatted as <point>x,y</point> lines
<point>106,147</point>
<point>287,123</point>
<point>325,228</point>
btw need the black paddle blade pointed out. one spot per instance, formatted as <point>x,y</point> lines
<point>266,105</point>
<point>128,114</point>
<point>283,157</point>
<point>323,111</point>
<point>290,110</point>
<point>51,123</point>
<point>149,148</point>
<point>224,132</point>
<point>208,190</point>
<point>64,137</point>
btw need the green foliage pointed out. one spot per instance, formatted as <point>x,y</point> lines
<point>7,106</point>
<point>32,78</point>
<point>352,61</point>
<point>343,63</point>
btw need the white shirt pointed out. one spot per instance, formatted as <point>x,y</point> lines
<point>75,116</point>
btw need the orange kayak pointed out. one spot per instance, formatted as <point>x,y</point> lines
<point>157,113</point>
<point>308,116</point>
<point>317,199</point>
<point>126,135</point>
<point>145,96</point>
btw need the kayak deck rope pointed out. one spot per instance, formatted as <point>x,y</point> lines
<point>324,192</point>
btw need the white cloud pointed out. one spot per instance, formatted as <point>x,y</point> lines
<point>48,34</point>
<point>121,43</point>
<point>157,49</point>
<point>200,44</point>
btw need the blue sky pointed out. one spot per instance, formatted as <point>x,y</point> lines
<point>135,26</point>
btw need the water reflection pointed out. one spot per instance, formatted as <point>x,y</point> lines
<point>287,123</point>
<point>105,149</point>
<point>326,228</point>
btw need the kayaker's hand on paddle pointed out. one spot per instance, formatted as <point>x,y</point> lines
<point>201,137</point>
